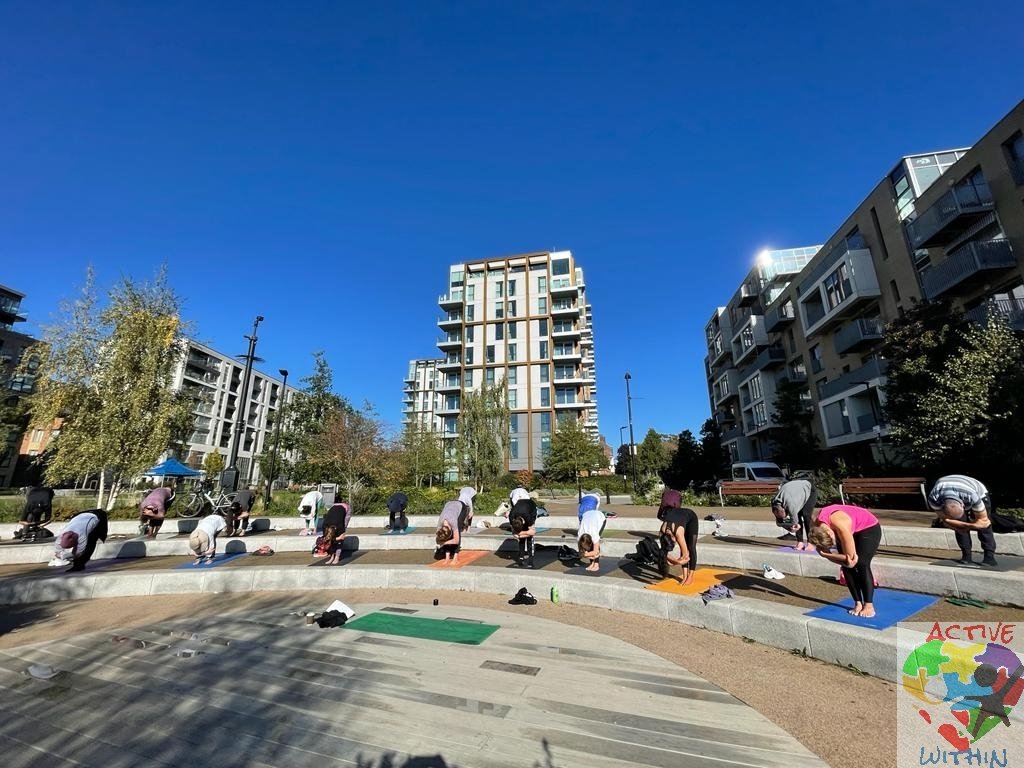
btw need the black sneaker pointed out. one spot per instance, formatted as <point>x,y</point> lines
<point>787,537</point>
<point>529,563</point>
<point>523,597</point>
<point>989,561</point>
<point>19,533</point>
<point>964,561</point>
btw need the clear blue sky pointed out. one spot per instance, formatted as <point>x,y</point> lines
<point>321,164</point>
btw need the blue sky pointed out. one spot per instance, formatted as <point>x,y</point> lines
<point>322,164</point>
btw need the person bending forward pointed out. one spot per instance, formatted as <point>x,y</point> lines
<point>856,534</point>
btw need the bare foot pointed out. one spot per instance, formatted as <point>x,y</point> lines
<point>801,546</point>
<point>688,580</point>
<point>592,567</point>
<point>857,609</point>
<point>455,561</point>
<point>868,612</point>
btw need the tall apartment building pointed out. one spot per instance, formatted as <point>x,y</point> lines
<point>215,380</point>
<point>12,387</point>
<point>524,320</point>
<point>940,226</point>
<point>420,398</point>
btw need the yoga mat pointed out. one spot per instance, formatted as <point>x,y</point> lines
<point>542,557</point>
<point>217,560</point>
<point>604,567</point>
<point>795,551</point>
<point>442,630</point>
<point>347,556</point>
<point>410,529</point>
<point>466,557</point>
<point>703,579</point>
<point>891,606</point>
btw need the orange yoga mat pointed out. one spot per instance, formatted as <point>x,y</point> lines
<point>466,557</point>
<point>703,579</point>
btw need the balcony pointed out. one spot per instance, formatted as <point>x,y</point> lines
<point>562,286</point>
<point>949,216</point>
<point>564,311</point>
<point>779,317</point>
<point>855,379</point>
<point>448,386</point>
<point>749,292</point>
<point>563,354</point>
<point>451,321</point>
<point>824,307</point>
<point>203,363</point>
<point>450,341</point>
<point>446,410</point>
<point>205,378</point>
<point>576,404</point>
<point>727,386</point>
<point>862,332</point>
<point>968,263</point>
<point>866,422</point>
<point>1010,310</point>
<point>770,358</point>
<point>451,299</point>
<point>758,426</point>
<point>449,363</point>
<point>570,333</point>
<point>732,434</point>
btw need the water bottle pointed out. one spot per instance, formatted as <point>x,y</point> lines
<point>554,594</point>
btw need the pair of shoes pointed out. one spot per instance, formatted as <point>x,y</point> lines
<point>964,561</point>
<point>772,573</point>
<point>990,561</point>
<point>523,597</point>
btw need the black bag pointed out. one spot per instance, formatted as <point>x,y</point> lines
<point>647,550</point>
<point>1005,523</point>
<point>331,619</point>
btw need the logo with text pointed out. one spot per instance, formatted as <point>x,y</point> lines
<point>958,695</point>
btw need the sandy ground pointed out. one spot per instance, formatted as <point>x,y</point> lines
<point>790,690</point>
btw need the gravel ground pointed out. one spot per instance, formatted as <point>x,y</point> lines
<point>753,673</point>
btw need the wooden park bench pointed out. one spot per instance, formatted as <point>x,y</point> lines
<point>745,488</point>
<point>883,486</point>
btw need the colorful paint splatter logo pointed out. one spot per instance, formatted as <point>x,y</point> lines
<point>964,682</point>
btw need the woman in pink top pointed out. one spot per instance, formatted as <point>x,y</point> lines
<point>856,534</point>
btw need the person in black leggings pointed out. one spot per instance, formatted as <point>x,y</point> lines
<point>856,534</point>
<point>523,522</point>
<point>793,508</point>
<point>680,527</point>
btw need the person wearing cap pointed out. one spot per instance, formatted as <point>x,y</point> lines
<point>793,508</point>
<point>77,541</point>
<point>962,504</point>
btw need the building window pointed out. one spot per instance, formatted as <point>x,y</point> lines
<point>559,267</point>
<point>544,373</point>
<point>470,292</point>
<point>513,400</point>
<point>542,327</point>
<point>513,375</point>
<point>468,378</point>
<point>513,423</point>
<point>499,289</point>
<point>545,397</point>
<point>499,311</point>
<point>542,305</point>
<point>542,284</point>
<point>543,350</point>
<point>513,448</point>
<point>565,372</point>
<point>545,445</point>
<point>469,313</point>
<point>837,287</point>
<point>545,422</point>
<point>512,330</point>
<point>450,424</point>
<point>1014,149</point>
<point>565,395</point>
<point>511,288</point>
<point>469,333</point>
<point>817,364</point>
<point>512,309</point>
<point>490,353</point>
<point>499,332</point>
<point>563,326</point>
<point>754,386</point>
<point>760,415</point>
<point>469,356</point>
<point>512,353</point>
<point>489,376</point>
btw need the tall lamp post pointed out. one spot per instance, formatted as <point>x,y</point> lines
<point>632,444</point>
<point>622,442</point>
<point>277,437</point>
<point>230,475</point>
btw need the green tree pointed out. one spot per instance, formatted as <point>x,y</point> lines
<point>795,442</point>
<point>687,463</point>
<point>106,373</point>
<point>483,442</point>
<point>352,448</point>
<point>713,454</point>
<point>573,452</point>
<point>651,457</point>
<point>955,390</point>
<point>304,420</point>
<point>421,454</point>
<point>213,464</point>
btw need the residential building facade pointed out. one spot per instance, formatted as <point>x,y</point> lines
<point>13,386</point>
<point>523,320</point>
<point>944,226</point>
<point>422,393</point>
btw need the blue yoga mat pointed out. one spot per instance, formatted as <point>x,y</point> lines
<point>539,531</point>
<point>217,560</point>
<point>891,606</point>
<point>410,529</point>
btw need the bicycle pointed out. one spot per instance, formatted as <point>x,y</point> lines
<point>200,501</point>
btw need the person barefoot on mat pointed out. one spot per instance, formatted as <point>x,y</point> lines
<point>309,507</point>
<point>203,541</point>
<point>335,524</point>
<point>523,522</point>
<point>680,528</point>
<point>450,524</point>
<point>856,534</point>
<point>793,508</point>
<point>77,541</point>
<point>592,524</point>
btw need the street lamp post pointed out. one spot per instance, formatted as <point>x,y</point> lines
<point>242,408</point>
<point>632,443</point>
<point>277,438</point>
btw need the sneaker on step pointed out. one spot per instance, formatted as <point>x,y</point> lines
<point>772,573</point>
<point>989,561</point>
<point>965,561</point>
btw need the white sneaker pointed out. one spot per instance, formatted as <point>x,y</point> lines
<point>771,573</point>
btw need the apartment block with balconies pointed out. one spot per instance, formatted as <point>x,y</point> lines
<point>429,394</point>
<point>13,385</point>
<point>522,320</point>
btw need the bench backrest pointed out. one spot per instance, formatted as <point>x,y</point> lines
<point>745,488</point>
<point>882,485</point>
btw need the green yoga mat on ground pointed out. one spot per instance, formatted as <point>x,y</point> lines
<point>428,629</point>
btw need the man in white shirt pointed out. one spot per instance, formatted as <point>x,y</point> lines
<point>77,540</point>
<point>203,541</point>
<point>309,507</point>
<point>589,537</point>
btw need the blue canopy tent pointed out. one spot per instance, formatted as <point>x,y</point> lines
<point>172,468</point>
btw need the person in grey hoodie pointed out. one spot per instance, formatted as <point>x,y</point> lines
<point>793,508</point>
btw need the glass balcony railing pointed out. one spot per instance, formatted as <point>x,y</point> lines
<point>1011,311</point>
<point>862,332</point>
<point>778,317</point>
<point>966,263</point>
<point>949,216</point>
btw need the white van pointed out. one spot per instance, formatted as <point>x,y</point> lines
<point>761,471</point>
